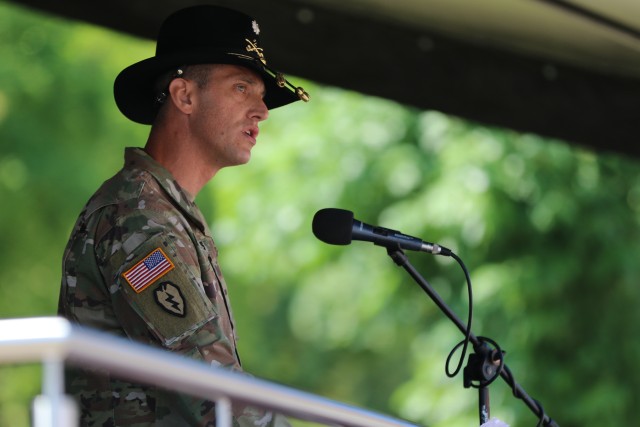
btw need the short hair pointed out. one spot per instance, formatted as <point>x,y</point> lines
<point>199,73</point>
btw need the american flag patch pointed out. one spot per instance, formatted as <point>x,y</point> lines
<point>151,268</point>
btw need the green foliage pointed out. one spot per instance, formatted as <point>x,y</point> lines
<point>547,231</point>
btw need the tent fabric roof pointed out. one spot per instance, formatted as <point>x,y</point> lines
<point>557,68</point>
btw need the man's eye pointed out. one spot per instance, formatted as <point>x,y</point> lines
<point>241,88</point>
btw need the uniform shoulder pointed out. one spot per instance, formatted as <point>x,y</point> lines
<point>124,189</point>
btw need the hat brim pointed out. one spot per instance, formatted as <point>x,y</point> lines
<point>134,87</point>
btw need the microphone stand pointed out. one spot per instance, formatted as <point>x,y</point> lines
<point>482,365</point>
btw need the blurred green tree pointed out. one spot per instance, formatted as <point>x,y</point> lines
<point>547,230</point>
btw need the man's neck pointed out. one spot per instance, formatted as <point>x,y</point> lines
<point>175,153</point>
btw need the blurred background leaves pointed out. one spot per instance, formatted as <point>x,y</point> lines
<point>548,231</point>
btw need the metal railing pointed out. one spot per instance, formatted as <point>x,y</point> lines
<point>54,342</point>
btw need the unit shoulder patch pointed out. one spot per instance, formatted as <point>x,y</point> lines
<point>170,299</point>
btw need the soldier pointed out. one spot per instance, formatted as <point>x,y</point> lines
<point>141,262</point>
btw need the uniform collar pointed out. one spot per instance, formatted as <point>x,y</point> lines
<point>137,158</point>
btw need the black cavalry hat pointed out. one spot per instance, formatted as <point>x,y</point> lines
<point>204,34</point>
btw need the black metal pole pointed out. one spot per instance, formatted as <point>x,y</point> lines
<point>483,404</point>
<point>401,259</point>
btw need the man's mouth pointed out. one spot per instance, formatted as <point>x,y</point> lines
<point>252,133</point>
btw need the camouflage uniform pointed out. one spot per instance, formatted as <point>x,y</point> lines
<point>141,264</point>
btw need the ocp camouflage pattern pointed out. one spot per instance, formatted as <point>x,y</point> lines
<point>183,309</point>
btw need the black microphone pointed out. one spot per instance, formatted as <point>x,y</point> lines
<point>338,227</point>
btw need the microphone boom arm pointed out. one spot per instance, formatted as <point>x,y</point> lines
<point>399,257</point>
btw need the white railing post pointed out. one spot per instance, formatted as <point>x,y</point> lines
<point>223,412</point>
<point>53,408</point>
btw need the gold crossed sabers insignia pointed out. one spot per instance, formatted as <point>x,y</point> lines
<point>253,47</point>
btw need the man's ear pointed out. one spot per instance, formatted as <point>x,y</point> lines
<point>181,93</point>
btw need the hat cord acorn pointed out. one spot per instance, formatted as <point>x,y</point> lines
<point>281,81</point>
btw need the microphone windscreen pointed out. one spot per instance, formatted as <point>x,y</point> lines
<point>333,226</point>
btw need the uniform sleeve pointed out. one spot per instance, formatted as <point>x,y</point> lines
<point>156,281</point>
<point>150,263</point>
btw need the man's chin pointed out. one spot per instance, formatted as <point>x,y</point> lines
<point>241,160</point>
